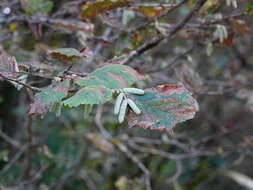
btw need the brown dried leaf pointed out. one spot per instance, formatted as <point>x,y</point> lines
<point>239,26</point>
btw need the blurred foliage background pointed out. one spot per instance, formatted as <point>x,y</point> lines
<point>211,54</point>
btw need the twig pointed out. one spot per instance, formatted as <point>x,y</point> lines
<point>123,148</point>
<point>12,36</point>
<point>136,5</point>
<point>36,176</point>
<point>153,43</point>
<point>143,25</point>
<point>21,83</point>
<point>85,176</point>
<point>159,142</point>
<point>212,137</point>
<point>72,172</point>
<point>177,174</point>
<point>215,21</point>
<point>9,139</point>
<point>99,46</point>
<point>98,123</point>
<point>172,156</point>
<point>14,159</point>
<point>30,152</point>
<point>174,61</point>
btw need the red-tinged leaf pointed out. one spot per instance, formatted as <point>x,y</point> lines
<point>48,97</point>
<point>239,26</point>
<point>111,76</point>
<point>92,9</point>
<point>151,12</point>
<point>8,65</point>
<point>163,107</point>
<point>229,41</point>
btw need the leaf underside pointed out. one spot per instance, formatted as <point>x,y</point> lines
<point>163,107</point>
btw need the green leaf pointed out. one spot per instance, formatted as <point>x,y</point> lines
<point>65,54</point>
<point>37,6</point>
<point>111,76</point>
<point>163,107</point>
<point>92,9</point>
<point>44,100</point>
<point>89,95</point>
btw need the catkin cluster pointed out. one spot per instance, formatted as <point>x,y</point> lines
<point>122,102</point>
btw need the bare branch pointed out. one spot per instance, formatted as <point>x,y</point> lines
<point>21,83</point>
<point>9,140</point>
<point>154,42</point>
<point>123,148</point>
